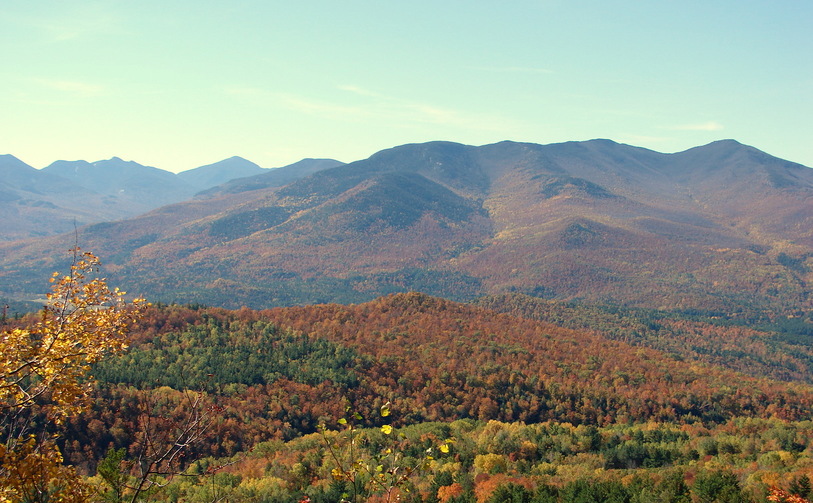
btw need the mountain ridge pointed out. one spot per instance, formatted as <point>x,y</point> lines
<point>69,194</point>
<point>597,220</point>
<point>139,186</point>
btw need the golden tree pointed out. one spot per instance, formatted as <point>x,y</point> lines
<point>777,495</point>
<point>44,378</point>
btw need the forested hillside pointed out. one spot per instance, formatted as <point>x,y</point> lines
<point>442,360</point>
<point>767,345</point>
<point>722,228</point>
<point>529,405</point>
<point>407,397</point>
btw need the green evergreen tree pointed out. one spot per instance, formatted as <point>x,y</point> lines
<point>801,487</point>
<point>718,487</point>
<point>511,493</point>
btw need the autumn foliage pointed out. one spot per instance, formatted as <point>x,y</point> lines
<point>44,375</point>
<point>486,405</point>
<point>777,495</point>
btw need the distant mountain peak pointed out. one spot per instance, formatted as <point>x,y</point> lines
<point>118,162</point>
<point>269,178</point>
<point>212,175</point>
<point>8,161</point>
<point>726,141</point>
<point>601,141</point>
<point>720,146</point>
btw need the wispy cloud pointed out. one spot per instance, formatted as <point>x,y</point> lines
<point>514,69</point>
<point>69,21</point>
<point>705,126</point>
<point>246,92</point>
<point>359,91</point>
<point>381,106</point>
<point>369,106</point>
<point>322,108</point>
<point>637,139</point>
<point>71,87</point>
<point>258,96</point>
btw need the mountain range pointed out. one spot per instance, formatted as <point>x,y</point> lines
<point>723,227</point>
<point>69,194</point>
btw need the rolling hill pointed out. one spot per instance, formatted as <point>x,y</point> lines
<point>435,359</point>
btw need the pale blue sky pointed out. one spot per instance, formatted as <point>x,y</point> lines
<point>179,84</point>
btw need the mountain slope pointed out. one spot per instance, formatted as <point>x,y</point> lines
<point>656,235</point>
<point>720,227</point>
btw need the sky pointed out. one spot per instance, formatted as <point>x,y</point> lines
<point>179,84</point>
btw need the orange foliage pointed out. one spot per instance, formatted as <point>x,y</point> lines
<point>485,485</point>
<point>445,493</point>
<point>779,496</point>
<point>486,365</point>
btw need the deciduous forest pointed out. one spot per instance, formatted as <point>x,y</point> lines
<point>405,398</point>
